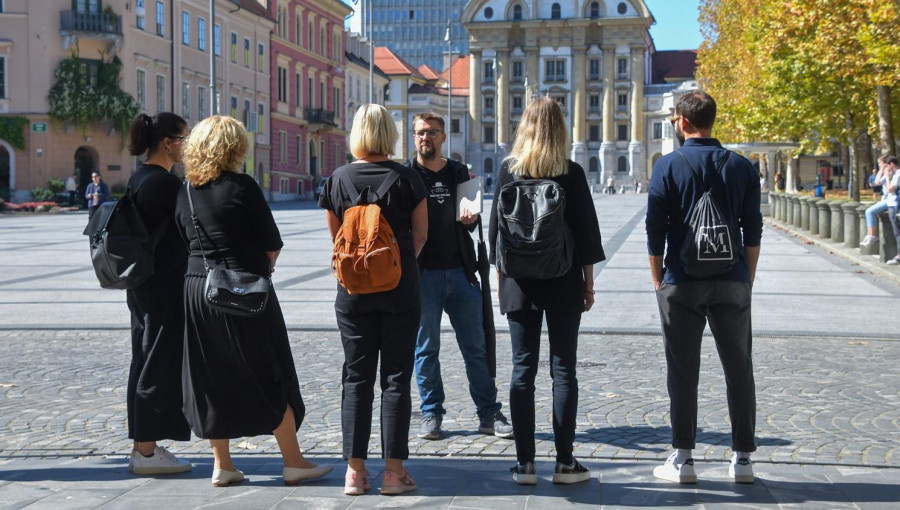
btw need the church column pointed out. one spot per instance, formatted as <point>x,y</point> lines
<point>608,147</point>
<point>636,145</point>
<point>579,109</point>
<point>474,155</point>
<point>502,101</point>
<point>532,73</point>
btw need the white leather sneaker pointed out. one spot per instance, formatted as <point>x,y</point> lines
<point>674,472</point>
<point>741,469</point>
<point>161,462</point>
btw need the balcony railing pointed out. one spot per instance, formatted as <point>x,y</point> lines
<point>100,23</point>
<point>319,116</point>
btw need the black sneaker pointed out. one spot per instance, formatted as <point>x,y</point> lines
<point>430,426</point>
<point>496,425</point>
<point>524,474</point>
<point>572,473</point>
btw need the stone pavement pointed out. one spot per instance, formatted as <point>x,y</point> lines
<point>826,357</point>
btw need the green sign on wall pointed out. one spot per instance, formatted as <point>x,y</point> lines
<point>39,127</point>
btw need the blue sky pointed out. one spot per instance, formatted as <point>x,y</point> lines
<point>676,25</point>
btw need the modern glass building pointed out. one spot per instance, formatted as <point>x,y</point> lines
<point>412,29</point>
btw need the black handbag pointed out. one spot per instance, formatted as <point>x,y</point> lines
<point>238,293</point>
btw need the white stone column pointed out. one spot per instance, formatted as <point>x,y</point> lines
<point>579,108</point>
<point>502,102</point>
<point>636,145</point>
<point>532,72</point>
<point>474,147</point>
<point>608,147</point>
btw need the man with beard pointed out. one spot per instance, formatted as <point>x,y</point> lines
<point>687,302</point>
<point>448,283</point>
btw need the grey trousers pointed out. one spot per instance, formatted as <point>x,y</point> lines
<point>684,309</point>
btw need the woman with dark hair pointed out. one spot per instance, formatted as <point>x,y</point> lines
<point>539,152</point>
<point>157,307</point>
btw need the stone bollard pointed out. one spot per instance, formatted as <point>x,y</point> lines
<point>837,221</point>
<point>796,216</point>
<point>851,224</point>
<point>789,209</point>
<point>782,207</point>
<point>804,212</point>
<point>775,197</point>
<point>814,215</point>
<point>824,219</point>
<point>864,228</point>
<point>887,243</point>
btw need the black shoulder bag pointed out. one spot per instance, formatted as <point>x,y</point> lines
<point>237,293</point>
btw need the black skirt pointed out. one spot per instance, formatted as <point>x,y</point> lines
<point>238,373</point>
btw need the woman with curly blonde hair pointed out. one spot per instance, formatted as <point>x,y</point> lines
<point>239,377</point>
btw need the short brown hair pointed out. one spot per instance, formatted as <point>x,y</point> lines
<point>428,117</point>
<point>698,107</point>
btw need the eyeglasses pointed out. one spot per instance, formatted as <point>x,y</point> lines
<point>430,133</point>
<point>179,138</point>
<point>674,118</point>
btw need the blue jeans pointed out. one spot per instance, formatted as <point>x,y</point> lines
<point>449,290</point>
<point>872,212</point>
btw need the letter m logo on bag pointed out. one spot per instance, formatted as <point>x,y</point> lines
<point>366,257</point>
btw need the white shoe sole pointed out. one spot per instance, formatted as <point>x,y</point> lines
<point>569,478</point>
<point>741,478</point>
<point>524,479</point>
<point>160,470</point>
<point>393,491</point>
<point>663,474</point>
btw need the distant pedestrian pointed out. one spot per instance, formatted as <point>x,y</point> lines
<point>239,374</point>
<point>891,190</point>
<point>874,182</point>
<point>539,152</point>
<point>687,303</point>
<point>779,182</point>
<point>96,193</point>
<point>72,188</point>
<point>157,305</point>
<point>879,181</point>
<point>378,324</point>
<point>448,284</point>
<point>611,185</point>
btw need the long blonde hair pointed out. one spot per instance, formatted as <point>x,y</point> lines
<point>539,149</point>
<point>217,144</point>
<point>373,132</point>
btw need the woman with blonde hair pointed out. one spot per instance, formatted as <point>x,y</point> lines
<point>380,323</point>
<point>239,377</point>
<point>539,152</point>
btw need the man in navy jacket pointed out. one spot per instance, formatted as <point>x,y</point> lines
<point>686,303</point>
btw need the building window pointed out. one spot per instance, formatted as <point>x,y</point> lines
<point>282,85</point>
<point>217,40</point>
<point>246,52</point>
<point>561,101</point>
<point>488,13</point>
<point>160,19</point>
<point>297,90</point>
<point>283,186</point>
<point>260,57</point>
<point>517,103</point>
<point>517,12</point>
<point>322,103</point>
<point>309,93</point>
<point>141,88</point>
<point>594,103</point>
<point>201,103</point>
<point>138,7</point>
<point>594,133</point>
<point>622,101</point>
<point>622,8</point>
<point>555,70</point>
<point>488,134</point>
<point>282,22</point>
<point>622,67</point>
<point>160,93</point>
<point>3,78</point>
<point>233,107</point>
<point>555,11</point>
<point>623,132</point>
<point>488,166</point>
<point>185,28</point>
<point>594,69</point>
<point>488,72</point>
<point>517,71</point>
<point>234,47</point>
<point>201,34</point>
<point>488,105</point>
<point>657,130</point>
<point>282,146</point>
<point>299,149</point>
<point>89,72</point>
<point>454,125</point>
<point>622,165</point>
<point>594,165</point>
<point>322,49</point>
<point>185,100</point>
<point>595,10</point>
<point>310,33</point>
<point>336,104</point>
<point>247,113</point>
<point>261,118</point>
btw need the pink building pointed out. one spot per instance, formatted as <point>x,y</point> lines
<point>307,61</point>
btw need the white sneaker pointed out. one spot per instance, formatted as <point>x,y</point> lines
<point>678,473</point>
<point>741,469</point>
<point>869,241</point>
<point>161,462</point>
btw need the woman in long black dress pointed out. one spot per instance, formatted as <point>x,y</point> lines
<point>239,375</point>
<point>157,307</point>
<point>539,152</point>
<point>381,323</point>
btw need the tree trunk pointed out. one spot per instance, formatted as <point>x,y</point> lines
<point>790,181</point>
<point>864,159</point>
<point>885,120</point>
<point>845,165</point>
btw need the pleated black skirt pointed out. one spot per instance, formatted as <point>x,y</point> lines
<point>238,373</point>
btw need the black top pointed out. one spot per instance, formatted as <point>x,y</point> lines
<point>397,208</point>
<point>157,192</point>
<point>236,222</point>
<point>441,251</point>
<point>566,291</point>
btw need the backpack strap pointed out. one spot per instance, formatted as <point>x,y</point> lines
<point>347,182</point>
<point>697,174</point>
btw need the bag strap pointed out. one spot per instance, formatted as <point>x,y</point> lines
<point>382,191</point>
<point>697,174</point>
<point>196,222</point>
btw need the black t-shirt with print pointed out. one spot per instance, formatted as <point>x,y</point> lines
<point>441,251</point>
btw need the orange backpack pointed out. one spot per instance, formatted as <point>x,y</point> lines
<point>366,256</point>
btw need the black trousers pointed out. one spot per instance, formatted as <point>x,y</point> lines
<point>365,336</point>
<point>154,396</point>
<point>525,334</point>
<point>684,309</point>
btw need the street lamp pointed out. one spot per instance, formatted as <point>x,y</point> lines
<point>448,40</point>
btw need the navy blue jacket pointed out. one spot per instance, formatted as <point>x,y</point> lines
<point>674,190</point>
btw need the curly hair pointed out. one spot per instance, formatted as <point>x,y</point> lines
<point>217,144</point>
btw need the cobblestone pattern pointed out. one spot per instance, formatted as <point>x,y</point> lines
<point>826,401</point>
